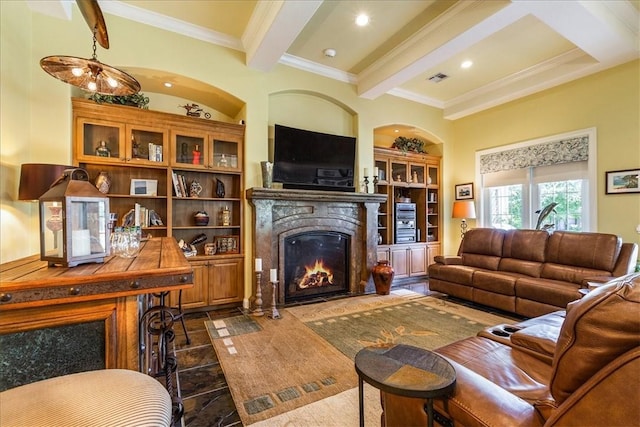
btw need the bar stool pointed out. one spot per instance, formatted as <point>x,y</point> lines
<point>106,397</point>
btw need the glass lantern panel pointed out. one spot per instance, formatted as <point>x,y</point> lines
<point>52,242</point>
<point>88,225</point>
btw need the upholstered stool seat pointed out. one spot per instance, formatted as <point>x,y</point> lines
<point>108,397</point>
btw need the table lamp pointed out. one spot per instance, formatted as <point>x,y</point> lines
<point>464,209</point>
<point>36,178</point>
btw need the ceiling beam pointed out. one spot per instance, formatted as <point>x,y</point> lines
<point>592,26</point>
<point>273,26</point>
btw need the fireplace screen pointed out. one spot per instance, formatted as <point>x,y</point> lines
<point>316,265</point>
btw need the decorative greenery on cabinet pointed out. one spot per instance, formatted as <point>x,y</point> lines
<point>195,165</point>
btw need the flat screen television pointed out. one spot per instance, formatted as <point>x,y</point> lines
<point>310,160</point>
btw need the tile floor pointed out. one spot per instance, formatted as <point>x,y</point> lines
<point>205,393</point>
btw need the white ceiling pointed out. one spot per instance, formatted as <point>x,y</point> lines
<point>518,47</point>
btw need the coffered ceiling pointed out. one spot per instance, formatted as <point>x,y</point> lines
<point>517,47</point>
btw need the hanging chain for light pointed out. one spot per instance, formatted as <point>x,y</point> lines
<point>94,56</point>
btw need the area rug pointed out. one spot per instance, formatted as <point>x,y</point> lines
<point>307,355</point>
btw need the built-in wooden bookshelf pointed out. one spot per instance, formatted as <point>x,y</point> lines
<point>145,150</point>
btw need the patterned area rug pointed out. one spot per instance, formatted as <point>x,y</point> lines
<point>307,356</point>
<point>231,326</point>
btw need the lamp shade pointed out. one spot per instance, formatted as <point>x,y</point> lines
<point>36,178</point>
<point>465,209</point>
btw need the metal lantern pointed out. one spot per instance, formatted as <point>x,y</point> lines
<point>74,218</point>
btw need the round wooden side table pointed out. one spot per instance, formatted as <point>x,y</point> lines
<point>404,370</point>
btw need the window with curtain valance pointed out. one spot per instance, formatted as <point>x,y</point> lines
<point>518,179</point>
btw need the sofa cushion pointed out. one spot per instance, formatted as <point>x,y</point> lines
<point>595,251</point>
<point>598,328</point>
<point>528,245</point>
<point>482,247</point>
<point>495,281</point>
<point>553,292</point>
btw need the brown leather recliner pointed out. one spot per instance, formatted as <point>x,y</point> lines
<point>592,378</point>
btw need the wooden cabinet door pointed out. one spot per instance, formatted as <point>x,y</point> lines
<point>225,280</point>
<point>434,250</point>
<point>418,260</point>
<point>384,253</point>
<point>196,296</point>
<point>400,261</point>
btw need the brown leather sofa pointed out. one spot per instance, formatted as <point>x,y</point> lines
<point>530,272</point>
<point>579,368</point>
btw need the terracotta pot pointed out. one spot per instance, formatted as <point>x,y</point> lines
<point>382,277</point>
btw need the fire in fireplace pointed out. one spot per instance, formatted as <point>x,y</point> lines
<point>316,265</point>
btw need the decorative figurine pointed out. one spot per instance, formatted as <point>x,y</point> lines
<point>103,182</point>
<point>103,150</point>
<point>219,188</point>
<point>183,152</point>
<point>196,155</point>
<point>195,189</point>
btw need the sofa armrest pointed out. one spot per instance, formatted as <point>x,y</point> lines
<point>537,340</point>
<point>476,401</point>
<point>448,259</point>
<point>627,259</point>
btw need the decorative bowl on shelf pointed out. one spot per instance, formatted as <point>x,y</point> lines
<point>201,218</point>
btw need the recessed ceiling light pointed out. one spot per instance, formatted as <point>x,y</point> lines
<point>396,130</point>
<point>362,20</point>
<point>330,53</point>
<point>168,84</point>
<point>466,64</point>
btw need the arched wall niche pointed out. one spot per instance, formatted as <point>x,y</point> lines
<point>222,105</point>
<point>384,136</point>
<point>310,111</point>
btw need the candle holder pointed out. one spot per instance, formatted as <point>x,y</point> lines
<point>375,180</point>
<point>257,311</point>
<point>366,184</point>
<point>274,311</point>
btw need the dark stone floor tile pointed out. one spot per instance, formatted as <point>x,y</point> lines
<point>198,338</point>
<point>196,356</point>
<point>201,379</point>
<point>213,409</point>
<point>194,321</point>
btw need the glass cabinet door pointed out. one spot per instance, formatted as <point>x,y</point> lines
<point>146,145</point>
<point>225,155</point>
<point>189,150</point>
<point>382,167</point>
<point>418,174</point>
<point>100,141</point>
<point>399,172</point>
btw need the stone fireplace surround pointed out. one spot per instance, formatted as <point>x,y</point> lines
<point>280,213</point>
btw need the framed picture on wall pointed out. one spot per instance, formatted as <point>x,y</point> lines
<point>464,191</point>
<point>621,182</point>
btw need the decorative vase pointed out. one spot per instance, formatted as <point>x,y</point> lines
<point>201,218</point>
<point>382,277</point>
<point>103,182</point>
<point>267,174</point>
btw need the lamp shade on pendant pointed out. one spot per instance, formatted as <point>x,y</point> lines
<point>36,178</point>
<point>465,209</point>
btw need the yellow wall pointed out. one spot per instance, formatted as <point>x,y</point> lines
<point>608,101</point>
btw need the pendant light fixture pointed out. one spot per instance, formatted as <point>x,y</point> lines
<point>90,74</point>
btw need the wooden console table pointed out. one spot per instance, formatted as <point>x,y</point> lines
<point>34,296</point>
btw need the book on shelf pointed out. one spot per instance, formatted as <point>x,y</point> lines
<point>176,184</point>
<point>155,152</point>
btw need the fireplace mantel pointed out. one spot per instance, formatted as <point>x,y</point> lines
<point>279,213</point>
